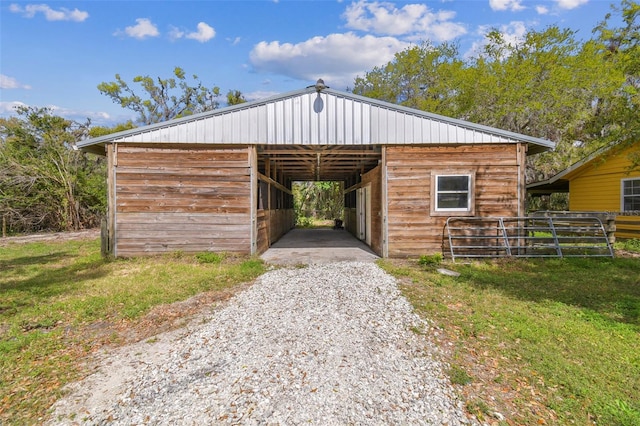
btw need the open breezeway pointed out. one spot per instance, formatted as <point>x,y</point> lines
<point>306,246</point>
<point>222,180</point>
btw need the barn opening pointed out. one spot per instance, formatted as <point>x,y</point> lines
<point>351,171</point>
<point>318,204</point>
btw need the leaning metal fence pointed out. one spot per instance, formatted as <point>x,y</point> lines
<point>494,237</point>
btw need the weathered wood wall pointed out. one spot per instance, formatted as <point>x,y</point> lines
<point>373,178</point>
<point>181,198</point>
<point>499,182</point>
<point>262,231</point>
<point>350,221</point>
<point>275,215</point>
<point>282,221</point>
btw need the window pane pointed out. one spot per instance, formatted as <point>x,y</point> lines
<point>453,183</point>
<point>452,201</point>
<point>632,187</point>
<point>631,203</point>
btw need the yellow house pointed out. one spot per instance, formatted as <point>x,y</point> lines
<point>602,182</point>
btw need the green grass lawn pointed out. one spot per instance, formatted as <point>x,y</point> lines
<point>539,341</point>
<point>553,341</point>
<point>59,302</point>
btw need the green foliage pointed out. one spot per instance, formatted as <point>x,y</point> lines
<point>430,260</point>
<point>317,200</point>
<point>422,77</point>
<point>97,131</point>
<point>44,183</point>
<point>62,301</point>
<point>210,257</point>
<point>628,245</point>
<point>620,48</point>
<point>458,376</point>
<point>235,97</point>
<point>163,99</point>
<point>580,94</point>
<point>304,222</point>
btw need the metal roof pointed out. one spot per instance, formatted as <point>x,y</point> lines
<point>320,117</point>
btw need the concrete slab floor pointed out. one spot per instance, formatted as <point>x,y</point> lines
<point>322,245</point>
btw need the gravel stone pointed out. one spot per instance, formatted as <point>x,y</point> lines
<point>323,344</point>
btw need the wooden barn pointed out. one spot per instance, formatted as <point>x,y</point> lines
<point>221,180</point>
<point>602,182</point>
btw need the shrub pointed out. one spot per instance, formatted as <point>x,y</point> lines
<point>430,260</point>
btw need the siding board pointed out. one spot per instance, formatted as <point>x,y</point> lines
<point>193,199</point>
<point>411,228</point>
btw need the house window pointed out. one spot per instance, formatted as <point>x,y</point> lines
<point>630,194</point>
<point>452,194</point>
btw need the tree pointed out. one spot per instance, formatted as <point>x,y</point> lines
<point>547,85</point>
<point>44,183</point>
<point>164,99</point>
<point>97,131</point>
<point>318,200</point>
<point>422,77</point>
<point>621,49</point>
<point>235,97</point>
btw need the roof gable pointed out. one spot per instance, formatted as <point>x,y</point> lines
<point>607,154</point>
<point>316,117</point>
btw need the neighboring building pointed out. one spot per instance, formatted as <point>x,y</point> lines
<point>221,180</point>
<point>602,182</point>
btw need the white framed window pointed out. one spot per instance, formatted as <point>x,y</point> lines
<point>630,195</point>
<point>452,193</point>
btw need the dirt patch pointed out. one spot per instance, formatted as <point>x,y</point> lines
<point>119,348</point>
<point>51,236</point>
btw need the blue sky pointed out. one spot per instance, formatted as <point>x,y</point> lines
<point>55,53</point>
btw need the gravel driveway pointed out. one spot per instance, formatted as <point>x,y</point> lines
<point>328,344</point>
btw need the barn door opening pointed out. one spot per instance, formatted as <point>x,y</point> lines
<point>363,213</point>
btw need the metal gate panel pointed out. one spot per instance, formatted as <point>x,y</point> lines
<point>496,237</point>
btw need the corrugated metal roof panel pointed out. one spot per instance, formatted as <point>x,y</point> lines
<point>307,117</point>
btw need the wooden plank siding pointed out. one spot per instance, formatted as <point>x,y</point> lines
<point>263,231</point>
<point>373,177</point>
<point>412,230</point>
<point>187,199</point>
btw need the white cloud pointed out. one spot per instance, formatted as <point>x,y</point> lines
<point>204,33</point>
<point>513,33</point>
<point>259,94</point>
<point>144,28</point>
<point>512,5</point>
<point>337,58</point>
<point>9,108</point>
<point>7,82</point>
<point>98,118</point>
<point>234,41</point>
<point>415,21</point>
<point>63,14</point>
<point>570,4</point>
<point>542,10</point>
<point>176,33</point>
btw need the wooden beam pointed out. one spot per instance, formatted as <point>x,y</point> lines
<point>274,183</point>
